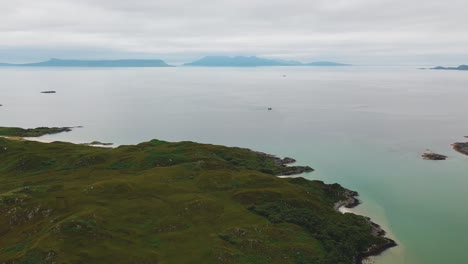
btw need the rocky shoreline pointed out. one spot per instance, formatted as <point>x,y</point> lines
<point>376,249</point>
<point>284,163</point>
<point>352,201</point>
<point>461,147</point>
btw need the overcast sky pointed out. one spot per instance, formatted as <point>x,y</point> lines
<point>352,31</point>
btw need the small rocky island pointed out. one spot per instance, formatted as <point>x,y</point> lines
<point>461,147</point>
<point>48,92</point>
<point>64,203</point>
<point>429,155</point>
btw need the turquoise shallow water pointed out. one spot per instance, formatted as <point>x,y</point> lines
<point>362,127</point>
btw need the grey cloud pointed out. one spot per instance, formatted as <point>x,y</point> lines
<point>362,31</point>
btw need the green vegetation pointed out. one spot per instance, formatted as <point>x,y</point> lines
<point>31,132</point>
<point>161,202</point>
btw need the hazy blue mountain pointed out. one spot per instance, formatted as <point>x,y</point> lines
<point>252,61</point>
<point>325,63</point>
<point>239,61</point>
<point>208,61</point>
<point>459,68</point>
<point>93,63</point>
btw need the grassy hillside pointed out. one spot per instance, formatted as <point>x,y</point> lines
<point>160,202</point>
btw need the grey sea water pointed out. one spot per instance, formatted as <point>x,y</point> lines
<point>364,128</point>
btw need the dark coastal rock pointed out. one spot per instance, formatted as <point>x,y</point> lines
<point>48,92</point>
<point>283,163</point>
<point>376,250</point>
<point>433,156</point>
<point>288,171</point>
<point>288,161</point>
<point>461,147</point>
<point>350,200</point>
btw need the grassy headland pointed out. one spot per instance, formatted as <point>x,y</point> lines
<point>161,202</point>
<point>31,132</point>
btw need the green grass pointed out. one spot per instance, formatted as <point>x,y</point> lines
<point>161,202</point>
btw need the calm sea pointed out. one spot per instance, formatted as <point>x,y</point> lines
<point>362,127</point>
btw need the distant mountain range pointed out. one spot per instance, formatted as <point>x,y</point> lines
<point>459,68</point>
<point>209,61</point>
<point>92,63</point>
<point>252,61</point>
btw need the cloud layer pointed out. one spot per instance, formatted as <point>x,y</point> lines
<point>367,31</point>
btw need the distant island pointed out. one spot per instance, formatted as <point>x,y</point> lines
<point>92,63</point>
<point>459,68</point>
<point>253,61</point>
<point>208,61</point>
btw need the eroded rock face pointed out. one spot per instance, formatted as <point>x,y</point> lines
<point>433,156</point>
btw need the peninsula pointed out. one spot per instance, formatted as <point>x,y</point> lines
<point>162,202</point>
<point>32,132</point>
